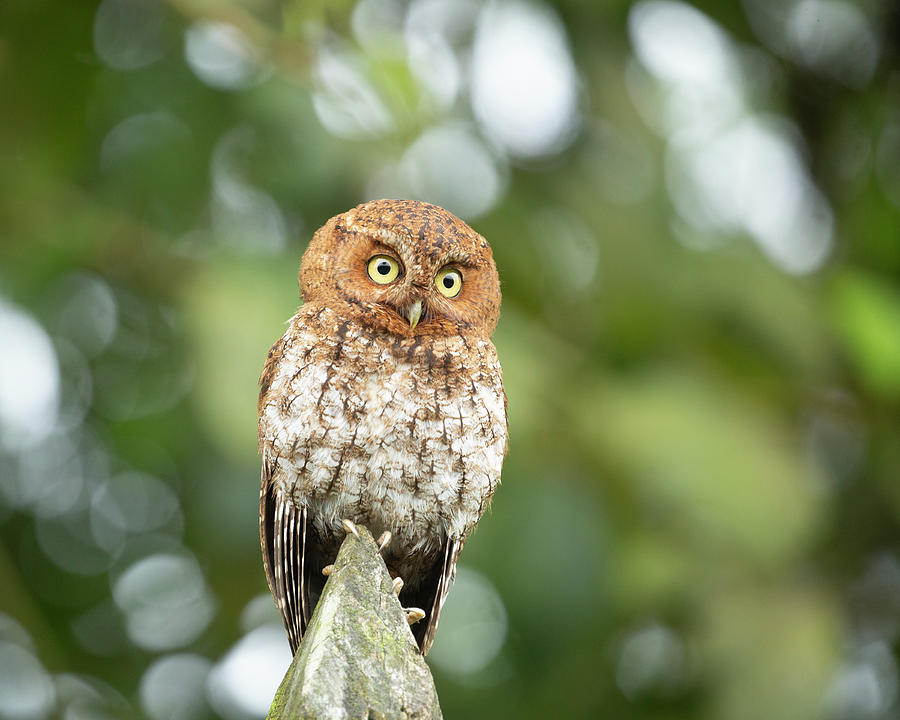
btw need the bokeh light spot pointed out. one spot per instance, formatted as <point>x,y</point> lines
<point>222,57</point>
<point>650,658</point>
<point>130,34</point>
<point>244,682</point>
<point>434,32</point>
<point>451,167</point>
<point>135,137</point>
<point>831,37</point>
<point>173,688</point>
<point>523,81</point>
<point>677,42</point>
<point>52,482</point>
<point>866,686</point>
<point>751,179</point>
<point>244,217</point>
<point>26,690</point>
<point>345,101</point>
<point>473,625</point>
<point>87,311</point>
<point>378,26</point>
<point>131,503</point>
<point>68,542</point>
<point>29,380</point>
<point>165,601</point>
<point>729,171</point>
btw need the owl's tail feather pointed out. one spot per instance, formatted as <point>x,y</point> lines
<point>445,576</point>
<point>282,532</point>
<point>289,567</point>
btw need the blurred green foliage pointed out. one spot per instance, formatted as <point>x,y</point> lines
<point>696,217</point>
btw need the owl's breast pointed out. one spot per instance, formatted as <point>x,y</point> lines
<point>407,436</point>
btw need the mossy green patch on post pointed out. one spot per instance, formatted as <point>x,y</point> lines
<point>358,658</point>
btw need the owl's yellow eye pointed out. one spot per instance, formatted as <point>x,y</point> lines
<point>383,269</point>
<point>449,282</point>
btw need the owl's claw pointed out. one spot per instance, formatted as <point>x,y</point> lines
<point>398,585</point>
<point>327,570</point>
<point>349,527</point>
<point>383,540</point>
<point>414,614</point>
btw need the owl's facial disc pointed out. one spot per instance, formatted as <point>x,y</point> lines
<point>403,267</point>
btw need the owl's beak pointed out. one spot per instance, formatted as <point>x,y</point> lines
<point>414,314</point>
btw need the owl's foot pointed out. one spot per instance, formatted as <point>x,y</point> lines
<point>349,526</point>
<point>383,540</point>
<point>414,614</point>
<point>398,585</point>
<point>327,570</point>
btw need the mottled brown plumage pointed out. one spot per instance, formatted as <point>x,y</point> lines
<point>383,404</point>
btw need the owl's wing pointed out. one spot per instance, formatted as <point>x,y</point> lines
<point>434,592</point>
<point>282,536</point>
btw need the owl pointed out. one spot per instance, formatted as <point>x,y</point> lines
<point>382,405</point>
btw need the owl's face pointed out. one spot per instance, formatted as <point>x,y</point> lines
<point>404,267</point>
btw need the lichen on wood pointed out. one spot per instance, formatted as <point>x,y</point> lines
<point>358,658</point>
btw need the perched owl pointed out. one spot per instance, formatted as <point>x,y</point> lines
<point>382,404</point>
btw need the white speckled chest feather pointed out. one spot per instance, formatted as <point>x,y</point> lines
<point>388,434</point>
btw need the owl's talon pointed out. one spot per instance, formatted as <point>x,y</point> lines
<point>350,527</point>
<point>397,585</point>
<point>414,614</point>
<point>327,570</point>
<point>383,540</point>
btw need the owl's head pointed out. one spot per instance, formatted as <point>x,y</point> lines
<point>404,267</point>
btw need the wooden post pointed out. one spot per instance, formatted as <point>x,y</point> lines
<point>358,658</point>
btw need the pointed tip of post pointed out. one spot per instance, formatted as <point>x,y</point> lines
<point>357,623</point>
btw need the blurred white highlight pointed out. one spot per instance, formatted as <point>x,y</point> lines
<point>165,600</point>
<point>222,57</point>
<point>678,43</point>
<point>832,37</point>
<point>243,216</point>
<point>345,102</point>
<point>52,482</point>
<point>378,25</point>
<point>144,133</point>
<point>26,689</point>
<point>751,179</point>
<point>67,541</point>
<point>29,380</point>
<point>243,683</point>
<point>131,503</point>
<point>130,34</point>
<point>173,688</point>
<point>523,81</point>
<point>473,625</point>
<point>259,611</point>
<point>433,32</point>
<point>865,687</point>
<point>652,657</point>
<point>728,171</point>
<point>875,600</point>
<point>451,167</point>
